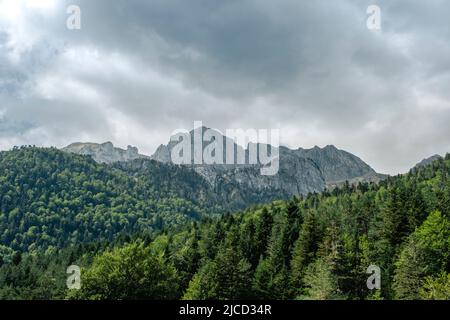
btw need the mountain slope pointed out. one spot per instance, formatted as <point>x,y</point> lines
<point>336,165</point>
<point>428,161</point>
<point>53,198</point>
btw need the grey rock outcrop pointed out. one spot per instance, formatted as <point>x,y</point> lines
<point>105,152</point>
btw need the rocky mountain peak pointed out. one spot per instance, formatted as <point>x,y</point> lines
<point>301,170</point>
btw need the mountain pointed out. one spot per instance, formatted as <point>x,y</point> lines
<point>54,198</point>
<point>105,152</point>
<point>232,189</point>
<point>238,185</point>
<point>336,165</point>
<point>301,171</point>
<point>428,161</point>
<point>50,198</point>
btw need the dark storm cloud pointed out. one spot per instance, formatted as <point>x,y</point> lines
<point>137,70</point>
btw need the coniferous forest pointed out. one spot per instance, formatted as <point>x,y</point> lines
<point>151,236</point>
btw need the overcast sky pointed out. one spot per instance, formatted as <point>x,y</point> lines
<point>138,70</point>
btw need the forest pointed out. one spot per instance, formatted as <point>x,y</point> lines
<point>134,240</point>
<point>52,199</point>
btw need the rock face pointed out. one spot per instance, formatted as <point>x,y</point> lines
<point>105,152</point>
<point>336,165</point>
<point>300,171</point>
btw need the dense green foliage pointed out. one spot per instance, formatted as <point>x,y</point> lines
<point>317,247</point>
<point>130,272</point>
<point>49,198</point>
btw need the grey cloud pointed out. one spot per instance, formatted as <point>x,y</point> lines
<point>311,67</point>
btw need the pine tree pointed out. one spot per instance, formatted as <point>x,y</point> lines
<point>278,286</point>
<point>395,218</point>
<point>409,273</point>
<point>304,250</point>
<point>228,276</point>
<point>320,282</point>
<point>426,254</point>
<point>263,231</point>
<point>262,283</point>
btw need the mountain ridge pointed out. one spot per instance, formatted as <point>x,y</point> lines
<point>104,152</point>
<point>301,171</point>
<point>428,160</point>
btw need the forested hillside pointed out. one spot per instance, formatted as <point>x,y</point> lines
<point>316,247</point>
<point>49,198</point>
